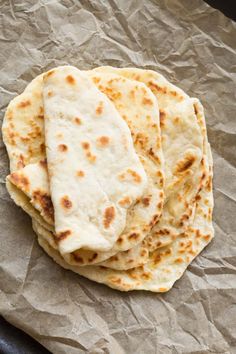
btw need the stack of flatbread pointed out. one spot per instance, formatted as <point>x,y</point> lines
<point>115,170</point>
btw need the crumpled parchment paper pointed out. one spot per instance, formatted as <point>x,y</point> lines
<point>193,45</point>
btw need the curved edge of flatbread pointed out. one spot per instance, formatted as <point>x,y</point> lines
<point>21,200</point>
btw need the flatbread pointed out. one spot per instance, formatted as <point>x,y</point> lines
<point>146,249</point>
<point>166,264</point>
<point>143,120</point>
<point>165,260</point>
<point>156,240</point>
<point>183,150</point>
<point>161,238</point>
<point>92,163</point>
<point>138,107</point>
<point>124,260</point>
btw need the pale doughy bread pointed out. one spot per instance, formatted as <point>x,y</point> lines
<point>124,260</point>
<point>156,261</point>
<point>138,107</point>
<point>143,120</point>
<point>165,265</point>
<point>140,254</point>
<point>182,145</point>
<point>92,163</point>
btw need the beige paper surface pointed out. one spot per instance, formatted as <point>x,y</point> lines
<point>194,46</point>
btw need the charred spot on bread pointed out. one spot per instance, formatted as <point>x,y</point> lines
<point>63,235</point>
<point>45,201</point>
<point>80,173</point>
<point>185,163</point>
<point>70,80</point>
<point>146,201</point>
<point>109,216</point>
<point>20,180</point>
<point>62,147</point>
<point>103,141</point>
<point>77,120</point>
<point>99,108</point>
<point>65,202</point>
<point>24,104</point>
<point>85,145</point>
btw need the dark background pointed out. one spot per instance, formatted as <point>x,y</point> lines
<point>14,341</point>
<point>228,7</point>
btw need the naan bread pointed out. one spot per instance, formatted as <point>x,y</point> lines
<point>92,164</point>
<point>138,107</point>
<point>165,265</point>
<point>126,260</point>
<point>183,232</point>
<point>156,240</point>
<point>182,145</point>
<point>143,120</point>
<point>161,236</point>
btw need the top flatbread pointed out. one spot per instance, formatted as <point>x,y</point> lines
<point>91,161</point>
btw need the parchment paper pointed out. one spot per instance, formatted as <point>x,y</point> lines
<point>193,45</point>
